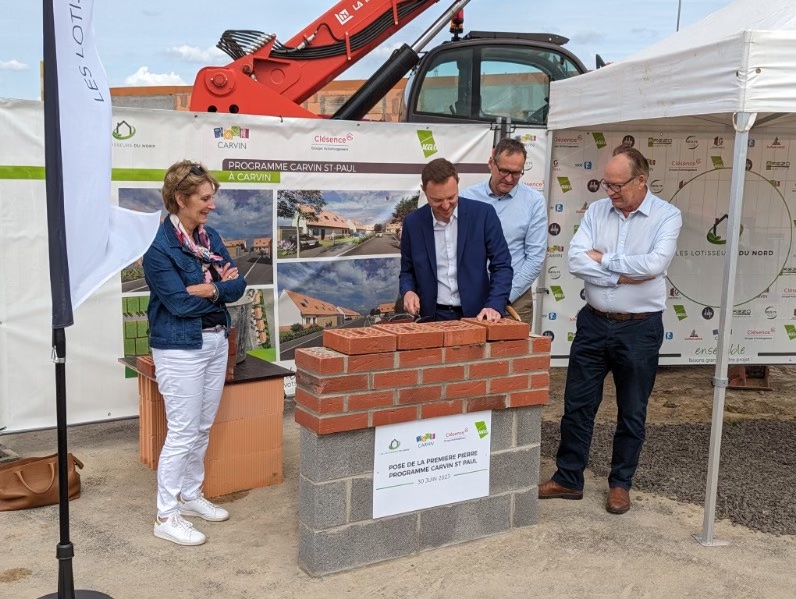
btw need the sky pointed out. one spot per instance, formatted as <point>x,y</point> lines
<point>157,42</point>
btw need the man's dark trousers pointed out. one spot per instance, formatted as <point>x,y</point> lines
<point>628,349</point>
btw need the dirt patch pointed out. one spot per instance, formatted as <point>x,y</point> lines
<point>14,575</point>
<point>684,394</point>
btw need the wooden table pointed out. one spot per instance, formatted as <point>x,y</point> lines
<point>245,449</point>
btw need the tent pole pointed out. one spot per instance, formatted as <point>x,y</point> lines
<point>743,123</point>
<point>540,293</point>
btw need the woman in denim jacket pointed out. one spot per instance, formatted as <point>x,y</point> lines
<point>190,276</point>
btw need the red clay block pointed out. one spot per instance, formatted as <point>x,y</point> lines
<point>412,335</point>
<point>504,329</point>
<point>458,332</point>
<point>518,382</point>
<point>420,394</point>
<point>145,365</point>
<point>490,402</point>
<point>320,405</point>
<point>369,362</point>
<point>481,370</point>
<point>442,374</point>
<point>393,416</point>
<point>320,360</point>
<point>441,408</point>
<point>359,341</point>
<point>540,380</point>
<point>371,399</point>
<point>331,384</point>
<point>395,378</point>
<point>541,344</point>
<point>529,363</point>
<point>465,389</point>
<point>464,353</point>
<point>505,349</point>
<point>536,397</point>
<point>420,357</point>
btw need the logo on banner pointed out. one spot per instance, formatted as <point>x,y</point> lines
<point>575,228</point>
<point>583,294</point>
<point>227,137</point>
<point>669,335</point>
<point>772,164</point>
<point>565,184</point>
<point>707,313</point>
<point>599,140</point>
<point>713,233</point>
<point>718,143</point>
<point>527,138</point>
<point>629,140</point>
<point>554,229</point>
<point>749,164</point>
<point>760,334</point>
<point>559,207</point>
<point>427,142</point>
<point>770,312</point>
<point>552,335</point>
<point>742,313</point>
<point>562,141</point>
<point>343,16</point>
<point>394,444</point>
<point>426,440</point>
<point>656,186</point>
<point>673,292</point>
<point>751,142</point>
<point>554,272</point>
<point>679,311</point>
<point>717,162</point>
<point>557,291</point>
<point>693,336</point>
<point>570,336</point>
<point>776,145</point>
<point>583,208</point>
<point>691,142</point>
<point>653,142</point>
<point>552,316</point>
<point>555,251</point>
<point>593,186</point>
<point>480,426</point>
<point>123,130</point>
<point>791,330</point>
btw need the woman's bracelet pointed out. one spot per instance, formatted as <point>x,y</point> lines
<point>214,299</point>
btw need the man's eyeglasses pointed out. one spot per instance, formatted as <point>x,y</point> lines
<point>614,187</point>
<point>506,173</point>
<point>195,170</point>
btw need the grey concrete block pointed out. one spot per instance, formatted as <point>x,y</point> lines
<point>464,521</point>
<point>526,508</point>
<point>361,502</point>
<point>353,545</point>
<point>513,469</point>
<point>339,455</point>
<point>502,429</point>
<point>529,425</point>
<point>322,505</point>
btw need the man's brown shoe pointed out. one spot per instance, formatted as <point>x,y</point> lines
<point>552,490</point>
<point>618,500</point>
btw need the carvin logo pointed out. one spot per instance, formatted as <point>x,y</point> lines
<point>427,142</point>
<point>599,139</point>
<point>555,249</point>
<point>679,311</point>
<point>565,184</point>
<point>123,131</point>
<point>691,142</point>
<point>557,292</point>
<point>227,137</point>
<point>426,437</point>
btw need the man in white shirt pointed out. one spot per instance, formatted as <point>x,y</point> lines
<point>621,251</point>
<point>523,217</point>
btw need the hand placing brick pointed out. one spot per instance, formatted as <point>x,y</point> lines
<point>359,341</point>
<point>413,335</point>
<point>503,330</point>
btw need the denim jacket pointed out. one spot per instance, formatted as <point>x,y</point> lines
<point>175,316</point>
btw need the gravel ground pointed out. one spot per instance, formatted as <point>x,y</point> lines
<point>757,471</point>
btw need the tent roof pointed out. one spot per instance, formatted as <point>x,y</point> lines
<point>738,59</point>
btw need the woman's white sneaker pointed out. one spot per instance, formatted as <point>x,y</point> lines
<point>202,508</point>
<point>178,530</point>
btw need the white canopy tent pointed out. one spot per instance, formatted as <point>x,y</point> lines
<point>735,68</point>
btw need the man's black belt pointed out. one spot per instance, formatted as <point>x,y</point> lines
<point>620,316</point>
<point>446,308</point>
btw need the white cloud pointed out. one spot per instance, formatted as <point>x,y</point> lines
<point>186,53</point>
<point>12,65</point>
<point>143,77</point>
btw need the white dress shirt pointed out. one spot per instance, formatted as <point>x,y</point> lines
<point>446,236</point>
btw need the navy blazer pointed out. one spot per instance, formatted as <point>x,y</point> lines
<point>480,240</point>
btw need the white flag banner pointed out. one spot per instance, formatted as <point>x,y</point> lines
<point>101,238</point>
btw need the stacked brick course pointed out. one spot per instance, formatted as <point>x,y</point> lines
<point>393,373</point>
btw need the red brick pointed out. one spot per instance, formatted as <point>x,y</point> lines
<point>396,378</point>
<point>371,399</point>
<point>529,363</point>
<point>540,380</point>
<point>369,362</point>
<point>145,365</point>
<point>505,349</point>
<point>465,389</point>
<point>331,384</point>
<point>393,416</point>
<point>489,402</point>
<point>331,424</point>
<point>420,357</point>
<point>413,335</point>
<point>518,382</point>
<point>420,394</point>
<point>482,370</point>
<point>319,405</point>
<point>320,360</point>
<point>359,341</point>
<point>502,330</point>
<point>541,344</point>
<point>457,332</point>
<point>441,408</point>
<point>536,397</point>
<point>442,374</point>
<point>465,353</point>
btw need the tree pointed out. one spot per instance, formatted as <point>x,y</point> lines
<point>404,207</point>
<point>289,204</point>
<point>378,228</point>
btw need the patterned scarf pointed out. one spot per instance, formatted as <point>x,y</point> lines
<point>201,251</point>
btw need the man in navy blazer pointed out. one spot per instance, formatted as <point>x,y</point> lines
<point>454,257</point>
